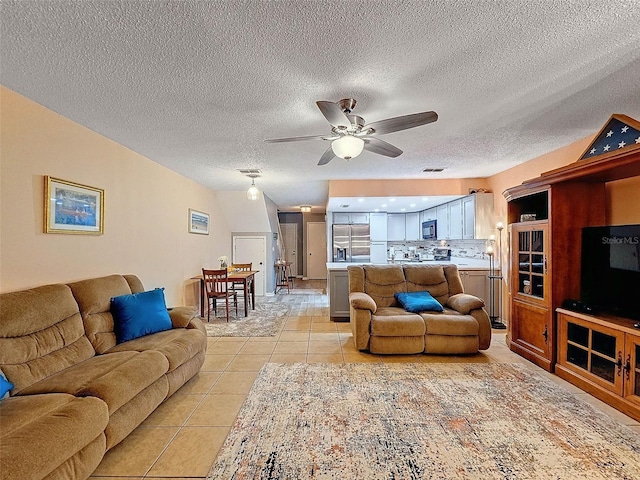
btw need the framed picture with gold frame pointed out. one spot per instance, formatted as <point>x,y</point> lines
<point>72,207</point>
<point>198,222</point>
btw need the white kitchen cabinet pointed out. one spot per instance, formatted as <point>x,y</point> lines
<point>429,214</point>
<point>338,290</point>
<point>413,230</point>
<point>477,211</point>
<point>378,252</point>
<point>442,221</point>
<point>478,284</point>
<point>344,218</point>
<point>395,227</point>
<point>378,227</point>
<point>455,219</point>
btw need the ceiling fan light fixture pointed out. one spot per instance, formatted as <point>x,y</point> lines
<point>347,147</point>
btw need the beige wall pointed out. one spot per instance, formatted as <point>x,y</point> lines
<point>383,188</point>
<point>146,208</point>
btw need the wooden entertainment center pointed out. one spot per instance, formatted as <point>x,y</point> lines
<point>598,353</point>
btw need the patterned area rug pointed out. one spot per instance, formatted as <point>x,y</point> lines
<point>416,421</point>
<point>265,321</point>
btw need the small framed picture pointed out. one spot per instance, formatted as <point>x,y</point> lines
<point>72,208</point>
<point>198,222</point>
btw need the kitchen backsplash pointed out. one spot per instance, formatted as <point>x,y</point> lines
<point>459,248</point>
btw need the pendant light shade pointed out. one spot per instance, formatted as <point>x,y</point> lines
<point>347,147</point>
<point>253,192</point>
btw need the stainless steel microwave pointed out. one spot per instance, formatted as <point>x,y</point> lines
<point>429,230</point>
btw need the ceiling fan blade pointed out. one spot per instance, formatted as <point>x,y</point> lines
<point>299,139</point>
<point>327,156</point>
<point>334,115</point>
<point>404,122</point>
<point>381,147</point>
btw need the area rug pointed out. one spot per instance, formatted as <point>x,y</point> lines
<point>419,421</point>
<point>265,321</point>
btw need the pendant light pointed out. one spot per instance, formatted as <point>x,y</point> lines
<point>347,147</point>
<point>253,192</point>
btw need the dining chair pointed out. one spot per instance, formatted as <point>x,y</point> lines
<point>216,286</point>
<point>238,287</point>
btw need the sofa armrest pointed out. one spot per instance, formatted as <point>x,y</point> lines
<point>362,301</point>
<point>182,316</point>
<point>361,308</point>
<point>196,322</point>
<point>464,303</point>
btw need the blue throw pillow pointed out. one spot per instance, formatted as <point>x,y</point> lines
<point>139,314</point>
<point>5,386</point>
<point>417,302</point>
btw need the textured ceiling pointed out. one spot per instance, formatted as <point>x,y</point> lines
<point>198,86</point>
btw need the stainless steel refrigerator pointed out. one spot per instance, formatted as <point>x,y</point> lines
<point>351,243</point>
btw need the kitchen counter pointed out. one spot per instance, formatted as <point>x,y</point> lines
<point>461,262</point>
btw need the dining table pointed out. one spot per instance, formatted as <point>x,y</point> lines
<point>247,277</point>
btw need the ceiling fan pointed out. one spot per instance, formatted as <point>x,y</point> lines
<point>350,134</point>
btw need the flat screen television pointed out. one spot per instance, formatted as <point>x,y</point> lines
<point>610,270</point>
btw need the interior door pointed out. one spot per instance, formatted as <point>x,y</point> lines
<point>290,240</point>
<point>316,250</point>
<point>252,249</point>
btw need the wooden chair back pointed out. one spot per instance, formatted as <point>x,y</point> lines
<point>243,267</point>
<point>215,282</point>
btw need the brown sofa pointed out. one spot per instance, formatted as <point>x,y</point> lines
<point>76,392</point>
<point>382,326</point>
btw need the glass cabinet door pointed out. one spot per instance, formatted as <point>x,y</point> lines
<point>531,276</point>
<point>594,351</point>
<point>632,369</point>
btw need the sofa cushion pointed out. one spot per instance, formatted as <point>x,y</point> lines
<point>178,345</point>
<point>382,282</point>
<point>94,299</point>
<point>396,322</point>
<point>134,283</point>
<point>114,378</point>
<point>431,278</point>
<point>41,334</point>
<point>57,427</point>
<point>417,302</point>
<point>449,322</point>
<point>139,314</point>
<point>464,303</point>
<point>42,432</point>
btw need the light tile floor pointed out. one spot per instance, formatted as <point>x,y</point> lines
<point>181,439</point>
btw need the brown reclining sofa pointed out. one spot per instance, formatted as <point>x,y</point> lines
<point>77,393</point>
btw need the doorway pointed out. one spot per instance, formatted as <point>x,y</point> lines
<point>252,249</point>
<point>290,240</point>
<point>316,250</point>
